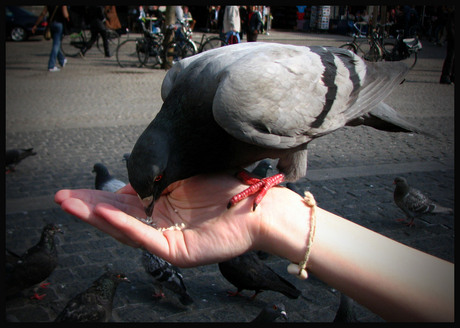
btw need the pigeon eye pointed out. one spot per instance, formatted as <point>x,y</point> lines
<point>275,307</point>
<point>158,177</point>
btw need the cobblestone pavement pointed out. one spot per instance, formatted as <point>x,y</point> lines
<point>93,111</point>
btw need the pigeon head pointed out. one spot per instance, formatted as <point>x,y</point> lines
<point>51,229</point>
<point>278,311</point>
<point>400,182</point>
<point>100,169</point>
<point>147,174</point>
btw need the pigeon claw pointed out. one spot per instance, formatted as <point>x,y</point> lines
<point>45,285</point>
<point>259,186</point>
<point>37,297</point>
<point>230,293</point>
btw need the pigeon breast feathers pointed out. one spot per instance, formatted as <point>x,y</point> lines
<point>282,96</point>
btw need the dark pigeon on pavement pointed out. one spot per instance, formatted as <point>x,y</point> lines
<point>167,276</point>
<point>14,156</point>
<point>345,312</point>
<point>414,203</point>
<point>104,181</point>
<point>247,271</point>
<point>270,313</point>
<point>94,304</point>
<point>34,266</point>
<point>230,107</point>
<point>262,168</point>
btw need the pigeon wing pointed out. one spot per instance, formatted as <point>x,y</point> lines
<point>282,96</point>
<point>416,202</point>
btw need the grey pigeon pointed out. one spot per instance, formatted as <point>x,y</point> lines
<point>34,266</point>
<point>166,276</point>
<point>227,108</point>
<point>345,312</point>
<point>247,271</point>
<point>14,156</point>
<point>414,203</point>
<point>95,303</point>
<point>104,181</point>
<point>270,313</point>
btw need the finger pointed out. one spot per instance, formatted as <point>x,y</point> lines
<point>85,212</point>
<point>135,231</point>
<point>126,202</point>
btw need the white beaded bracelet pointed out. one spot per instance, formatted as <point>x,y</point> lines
<point>299,270</point>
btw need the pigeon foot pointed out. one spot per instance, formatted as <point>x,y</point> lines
<point>409,224</point>
<point>259,186</point>
<point>230,293</point>
<point>37,297</point>
<point>45,285</point>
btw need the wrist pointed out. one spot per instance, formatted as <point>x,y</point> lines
<point>285,224</point>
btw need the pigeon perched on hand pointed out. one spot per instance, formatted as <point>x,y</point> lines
<point>247,271</point>
<point>270,313</point>
<point>104,181</point>
<point>34,266</point>
<point>227,108</point>
<point>414,203</point>
<point>95,303</point>
<point>14,156</point>
<point>166,276</point>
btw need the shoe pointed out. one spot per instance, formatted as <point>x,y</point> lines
<point>64,62</point>
<point>54,69</point>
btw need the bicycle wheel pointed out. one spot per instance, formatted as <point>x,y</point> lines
<point>393,53</point>
<point>349,46</point>
<point>177,50</point>
<point>212,43</point>
<point>113,39</point>
<point>154,51</point>
<point>71,44</point>
<point>374,54</point>
<point>127,54</point>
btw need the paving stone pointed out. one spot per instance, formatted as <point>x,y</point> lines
<point>93,111</point>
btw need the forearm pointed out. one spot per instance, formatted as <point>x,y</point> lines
<point>395,281</point>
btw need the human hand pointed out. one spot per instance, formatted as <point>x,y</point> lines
<point>212,233</point>
<point>34,28</point>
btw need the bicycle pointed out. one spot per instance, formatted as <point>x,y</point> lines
<point>144,51</point>
<point>71,44</point>
<point>378,50</point>
<point>373,50</point>
<point>212,42</point>
<point>182,45</point>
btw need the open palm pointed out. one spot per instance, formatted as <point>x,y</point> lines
<point>211,232</point>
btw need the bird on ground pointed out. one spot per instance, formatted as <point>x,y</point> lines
<point>247,271</point>
<point>95,303</point>
<point>345,311</point>
<point>34,266</point>
<point>414,203</point>
<point>167,276</point>
<point>105,181</point>
<point>14,156</point>
<point>271,312</point>
<point>227,108</point>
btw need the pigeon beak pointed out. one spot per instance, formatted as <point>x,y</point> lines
<point>284,315</point>
<point>148,203</point>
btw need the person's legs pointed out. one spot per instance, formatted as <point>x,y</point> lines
<point>56,32</point>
